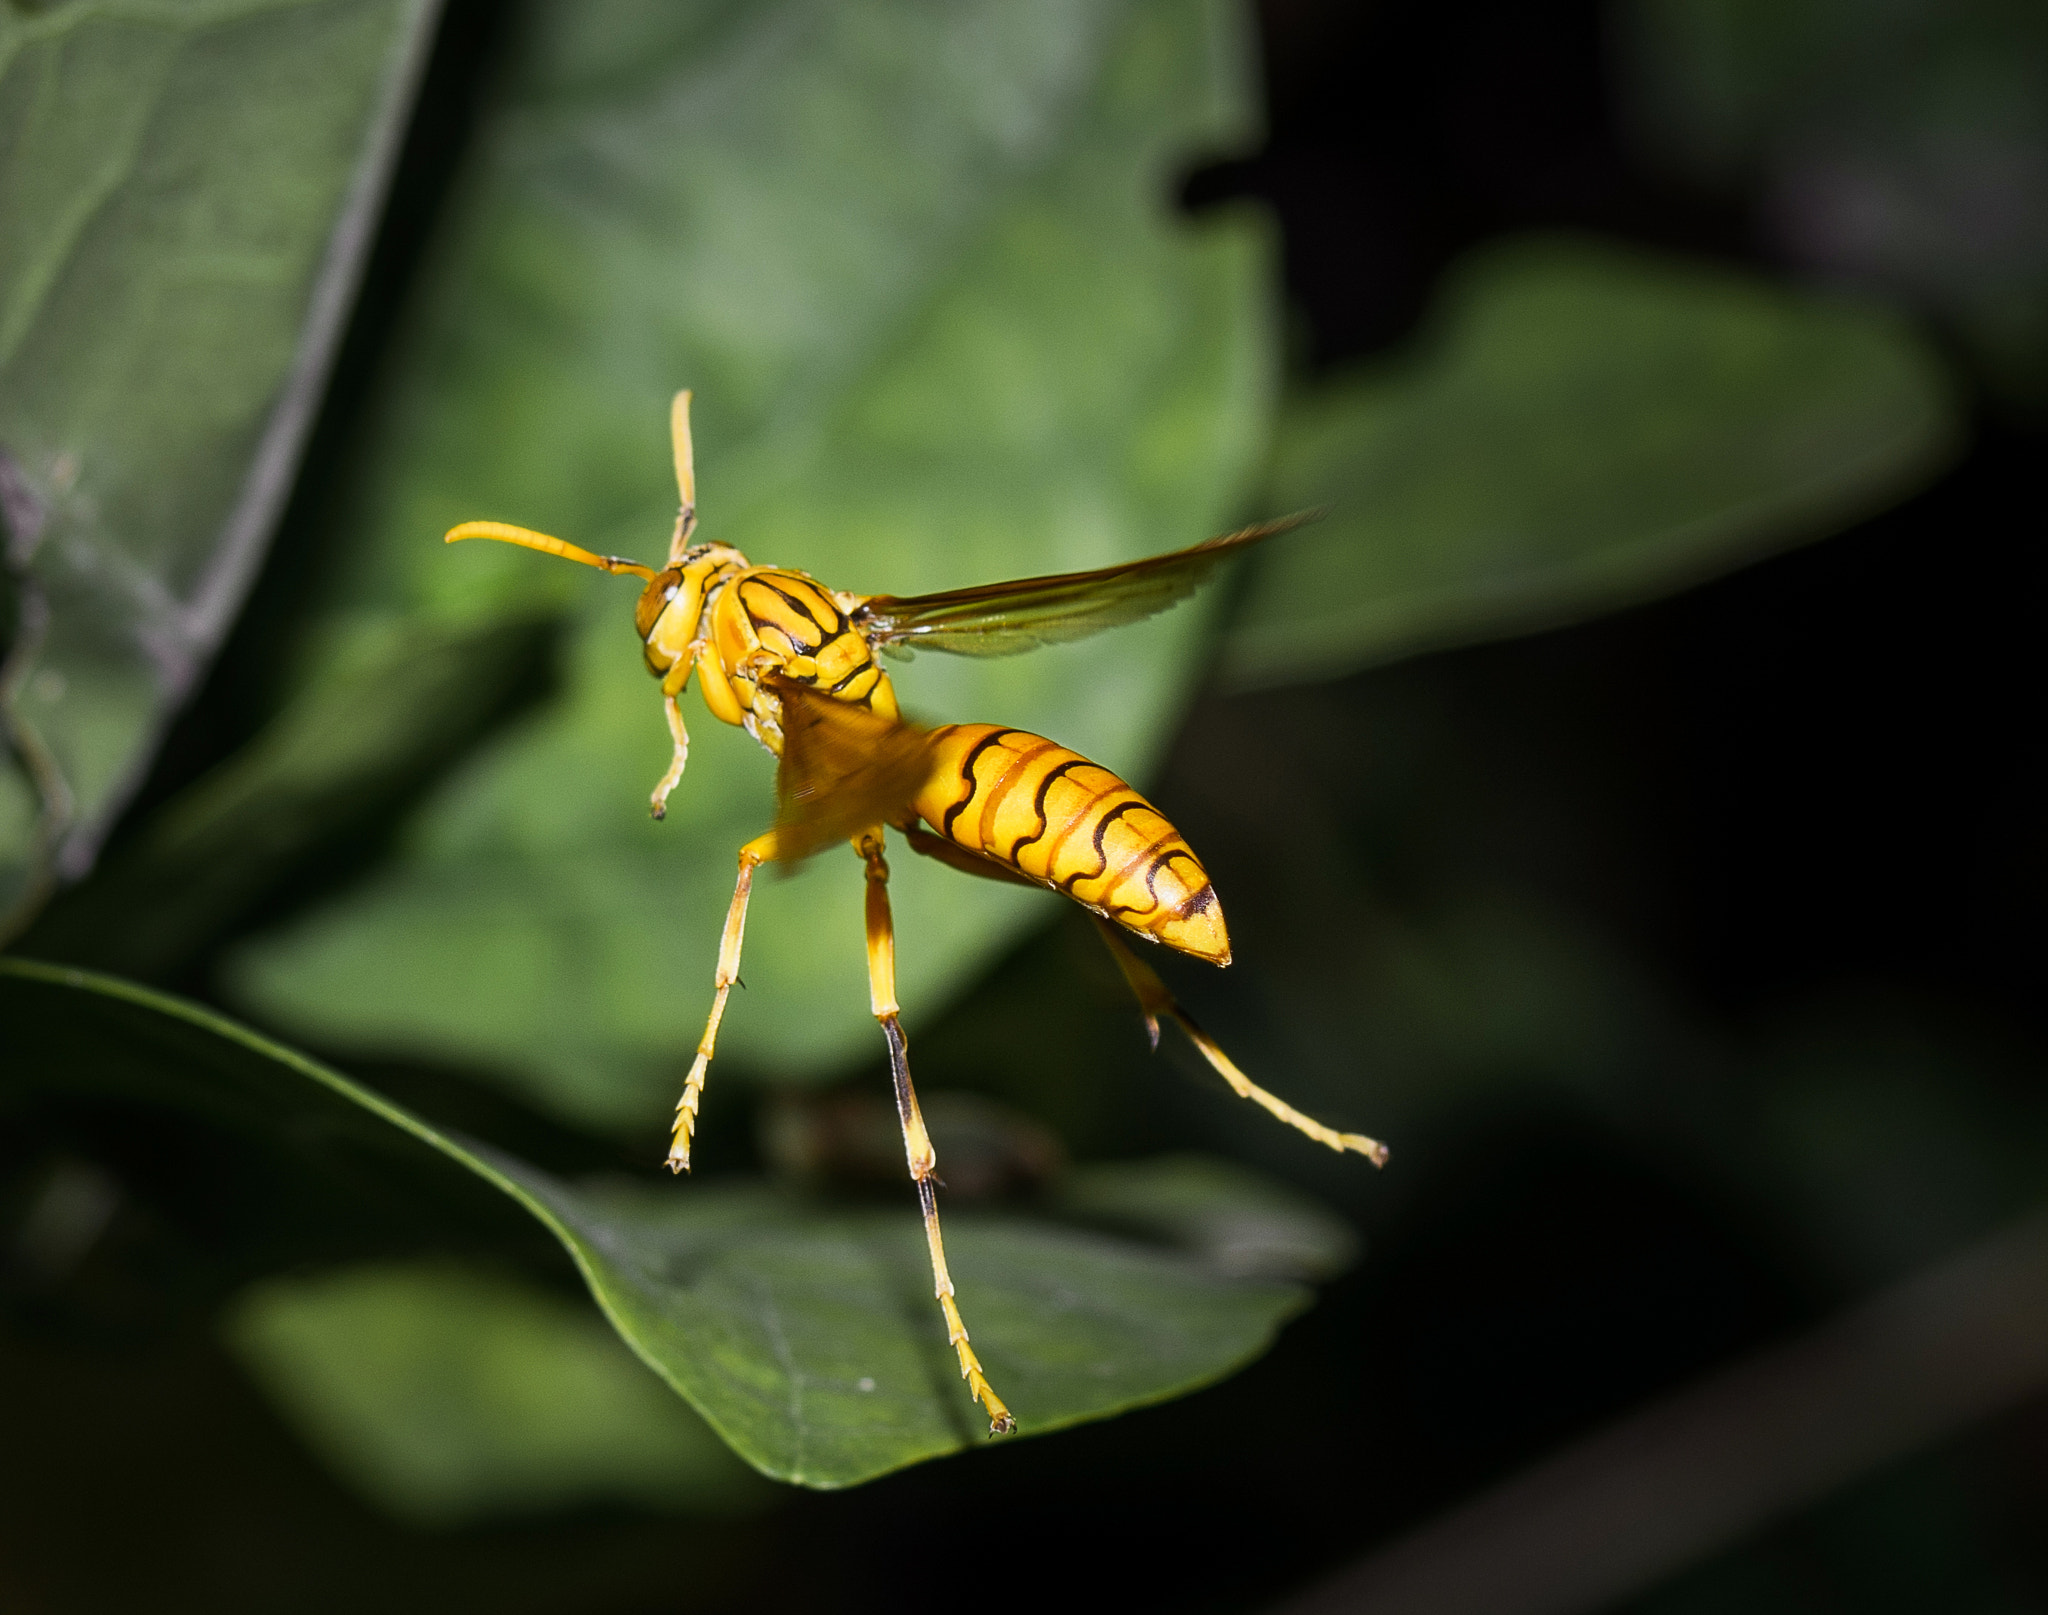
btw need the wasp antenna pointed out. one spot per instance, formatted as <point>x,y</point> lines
<point>686,474</point>
<point>527,538</point>
<point>679,434</point>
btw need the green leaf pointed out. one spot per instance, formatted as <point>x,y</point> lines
<point>352,749</point>
<point>1583,426</point>
<point>810,1340</point>
<point>450,1395</point>
<point>918,261</point>
<point>805,1335</point>
<point>186,196</point>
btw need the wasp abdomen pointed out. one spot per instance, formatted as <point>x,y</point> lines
<point>1032,805</point>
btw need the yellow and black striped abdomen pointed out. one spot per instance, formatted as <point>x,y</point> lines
<point>1032,805</point>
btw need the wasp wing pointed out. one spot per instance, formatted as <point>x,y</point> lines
<point>844,769</point>
<point>1001,619</point>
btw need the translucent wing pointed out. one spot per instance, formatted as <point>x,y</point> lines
<point>1001,619</point>
<point>844,769</point>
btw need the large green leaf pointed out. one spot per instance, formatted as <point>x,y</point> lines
<point>186,195</point>
<point>1582,426</point>
<point>919,262</point>
<point>804,1334</point>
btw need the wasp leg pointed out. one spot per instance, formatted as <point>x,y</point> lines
<point>673,711</point>
<point>917,1143</point>
<point>1154,1000</point>
<point>754,854</point>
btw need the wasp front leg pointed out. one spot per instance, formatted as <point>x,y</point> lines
<point>917,1143</point>
<point>752,856</point>
<point>1155,1000</point>
<point>671,706</point>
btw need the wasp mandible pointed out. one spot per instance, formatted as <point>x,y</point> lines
<point>793,663</point>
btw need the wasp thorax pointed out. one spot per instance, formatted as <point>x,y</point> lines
<point>722,554</point>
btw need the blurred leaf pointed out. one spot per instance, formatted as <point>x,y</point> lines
<point>919,262</point>
<point>806,1337</point>
<point>186,196</point>
<point>1901,148</point>
<point>450,1395</point>
<point>1234,1220</point>
<point>341,758</point>
<point>1583,426</point>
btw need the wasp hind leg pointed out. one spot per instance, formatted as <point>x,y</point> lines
<point>1154,1000</point>
<point>917,1143</point>
<point>752,856</point>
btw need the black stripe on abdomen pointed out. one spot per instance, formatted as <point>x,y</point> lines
<point>967,778</point>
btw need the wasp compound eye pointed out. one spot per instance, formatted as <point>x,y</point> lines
<point>654,599</point>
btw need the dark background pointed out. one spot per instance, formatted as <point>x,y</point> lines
<point>1810,795</point>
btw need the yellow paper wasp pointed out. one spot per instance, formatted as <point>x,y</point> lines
<point>793,663</point>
